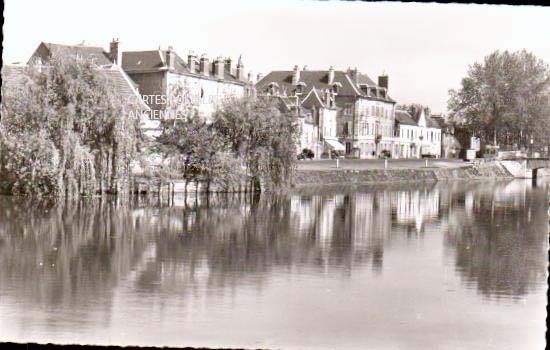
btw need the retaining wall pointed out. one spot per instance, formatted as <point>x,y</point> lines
<point>341,176</point>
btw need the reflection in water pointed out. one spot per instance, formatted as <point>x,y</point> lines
<point>500,238</point>
<point>66,266</point>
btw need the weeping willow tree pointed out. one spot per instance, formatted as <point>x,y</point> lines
<point>263,137</point>
<point>65,131</point>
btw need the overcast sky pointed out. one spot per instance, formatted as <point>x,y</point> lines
<point>424,48</point>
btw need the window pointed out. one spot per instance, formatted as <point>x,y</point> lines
<point>348,109</point>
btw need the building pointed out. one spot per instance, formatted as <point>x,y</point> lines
<point>364,109</point>
<point>405,130</point>
<point>157,72</point>
<point>319,109</point>
<point>416,137</point>
<point>450,145</point>
<point>106,61</point>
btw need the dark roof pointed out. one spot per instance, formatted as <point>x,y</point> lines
<point>97,54</point>
<point>365,79</point>
<point>142,60</point>
<point>438,122</point>
<point>403,117</point>
<point>313,98</point>
<point>155,60</point>
<point>125,87</point>
<point>320,80</point>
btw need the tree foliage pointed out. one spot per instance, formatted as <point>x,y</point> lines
<point>65,131</point>
<point>262,136</point>
<point>504,99</point>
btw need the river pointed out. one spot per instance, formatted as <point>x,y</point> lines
<point>451,265</point>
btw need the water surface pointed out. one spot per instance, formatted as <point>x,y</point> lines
<point>452,265</point>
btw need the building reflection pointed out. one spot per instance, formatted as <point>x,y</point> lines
<point>72,253</point>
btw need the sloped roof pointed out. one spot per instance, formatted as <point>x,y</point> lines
<point>438,122</point>
<point>142,60</point>
<point>97,54</point>
<point>155,60</point>
<point>403,117</point>
<point>124,85</point>
<point>318,79</point>
<point>365,79</point>
<point>313,98</point>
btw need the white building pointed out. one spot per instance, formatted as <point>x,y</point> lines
<point>364,109</point>
<point>157,72</point>
<point>319,114</point>
<point>416,138</point>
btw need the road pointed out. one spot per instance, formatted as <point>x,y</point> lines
<point>364,164</point>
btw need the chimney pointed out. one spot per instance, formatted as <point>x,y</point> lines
<point>219,68</point>
<point>353,75</point>
<point>296,75</point>
<point>205,65</point>
<point>191,61</point>
<point>170,58</point>
<point>259,77</point>
<point>383,81</point>
<point>250,76</point>
<point>115,54</point>
<point>240,70</point>
<point>227,65</point>
<point>305,68</point>
<point>331,75</point>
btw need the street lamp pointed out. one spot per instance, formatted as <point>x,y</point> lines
<point>531,147</point>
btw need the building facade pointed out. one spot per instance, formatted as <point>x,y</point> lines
<point>416,138</point>
<point>364,111</point>
<point>209,84</point>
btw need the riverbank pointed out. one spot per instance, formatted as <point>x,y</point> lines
<point>306,177</point>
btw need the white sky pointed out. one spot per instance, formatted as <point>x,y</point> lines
<point>424,48</point>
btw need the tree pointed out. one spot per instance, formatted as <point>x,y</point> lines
<point>192,147</point>
<point>504,99</point>
<point>262,136</point>
<point>65,131</point>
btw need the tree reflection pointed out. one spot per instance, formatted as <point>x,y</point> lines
<point>76,252</point>
<point>499,235</point>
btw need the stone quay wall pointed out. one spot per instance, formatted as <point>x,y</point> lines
<point>340,176</point>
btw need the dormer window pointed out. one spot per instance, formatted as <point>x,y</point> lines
<point>336,87</point>
<point>273,89</point>
<point>300,88</point>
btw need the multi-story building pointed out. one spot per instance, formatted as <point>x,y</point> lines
<point>405,135</point>
<point>364,110</point>
<point>157,72</point>
<point>416,138</point>
<point>319,110</point>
